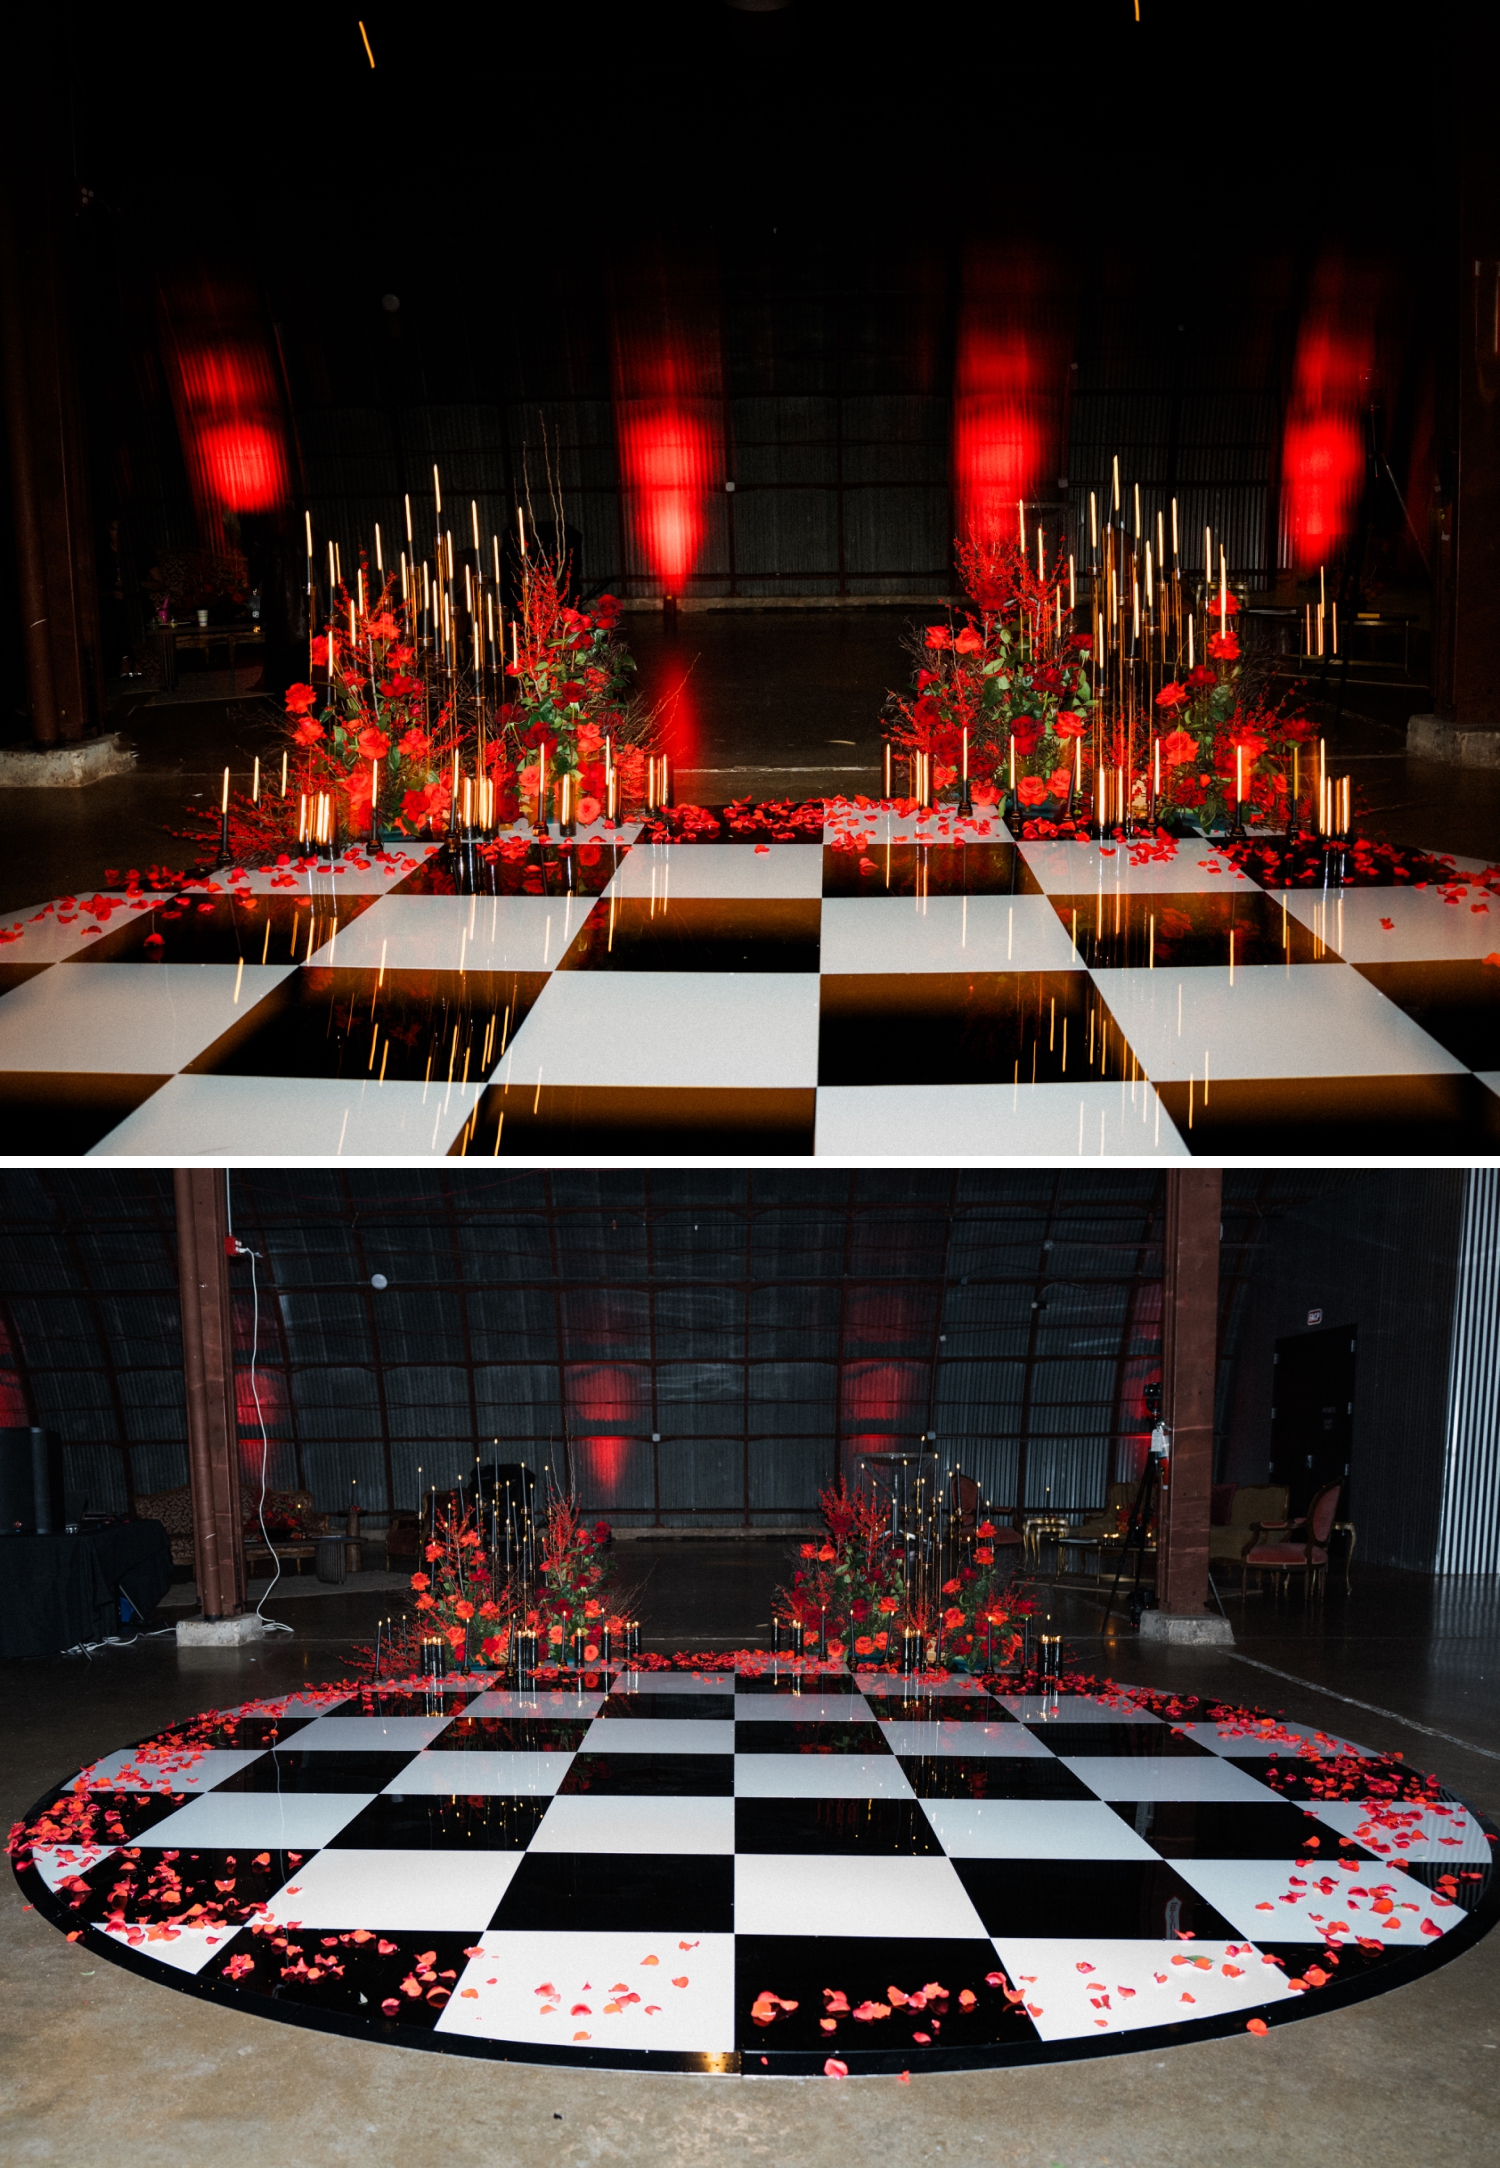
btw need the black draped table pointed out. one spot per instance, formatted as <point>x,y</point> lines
<point>56,1591</point>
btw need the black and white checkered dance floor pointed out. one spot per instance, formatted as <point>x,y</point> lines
<point>936,990</point>
<point>721,1873</point>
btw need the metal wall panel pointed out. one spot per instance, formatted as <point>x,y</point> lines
<point>1469,1529</point>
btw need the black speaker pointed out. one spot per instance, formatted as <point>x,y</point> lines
<point>30,1483</point>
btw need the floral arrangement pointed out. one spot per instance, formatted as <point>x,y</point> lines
<point>851,1597</point>
<point>1006,690</point>
<point>457,1596</point>
<point>571,719</point>
<point>572,1605</point>
<point>1228,757</point>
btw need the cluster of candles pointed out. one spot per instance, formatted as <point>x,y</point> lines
<point>1317,625</point>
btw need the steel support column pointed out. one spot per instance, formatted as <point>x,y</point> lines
<point>208,1370</point>
<point>1190,1333</point>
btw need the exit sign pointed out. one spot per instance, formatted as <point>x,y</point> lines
<point>1314,1317</point>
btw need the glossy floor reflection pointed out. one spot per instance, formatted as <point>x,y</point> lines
<point>765,1865</point>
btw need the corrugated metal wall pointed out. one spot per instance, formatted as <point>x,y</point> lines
<point>1381,1254</point>
<point>1469,1532</point>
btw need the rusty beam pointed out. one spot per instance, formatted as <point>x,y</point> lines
<point>1190,1340</point>
<point>208,1373</point>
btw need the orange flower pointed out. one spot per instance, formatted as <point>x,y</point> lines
<point>463,1608</point>
<point>420,1580</point>
<point>984,1558</point>
<point>424,1603</point>
<point>864,1646</point>
<point>953,1618</point>
<point>886,1603</point>
<point>1180,747</point>
<point>1031,790</point>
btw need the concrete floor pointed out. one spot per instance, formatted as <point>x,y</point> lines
<point>773,703</point>
<point>97,2066</point>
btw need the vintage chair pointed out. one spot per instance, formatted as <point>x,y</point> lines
<point>1252,1507</point>
<point>1099,1532</point>
<point>1281,1552</point>
<point>403,1540</point>
<point>967,1502</point>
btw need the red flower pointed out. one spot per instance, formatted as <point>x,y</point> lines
<point>1171,696</point>
<point>299,698</point>
<point>1224,647</point>
<point>373,743</point>
<point>420,1580</point>
<point>864,1646</point>
<point>307,731</point>
<point>400,687</point>
<point>1231,603</point>
<point>953,1618</point>
<point>939,636</point>
<point>607,611</point>
<point>1179,747</point>
<point>1069,725</point>
<point>1199,678</point>
<point>1027,733</point>
<point>984,1557</point>
<point>969,642</point>
<point>1031,790</point>
<point>415,745</point>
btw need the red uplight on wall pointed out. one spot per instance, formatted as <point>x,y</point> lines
<point>1009,374</point>
<point>668,404</point>
<point>1322,447</point>
<point>226,389</point>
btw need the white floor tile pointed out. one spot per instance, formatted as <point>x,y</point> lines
<point>685,1997</point>
<point>779,1893</point>
<point>185,1949</point>
<point>126,1771</point>
<point>46,937</point>
<point>57,1863</point>
<point>387,1889</point>
<point>1272,1020</point>
<point>198,1117</point>
<point>944,933</point>
<point>461,1775</point>
<point>820,1776</point>
<point>1423,927</point>
<point>1009,1739</point>
<point>1078,869</point>
<point>1033,1829</point>
<point>1448,1836</point>
<point>657,1735</point>
<point>687,1028</point>
<point>1276,1902</point>
<point>1170,1776</point>
<point>802,1709</point>
<point>127,1019</point>
<point>367,1734</point>
<point>274,1819</point>
<point>994,1121</point>
<point>459,933</point>
<point>618,1823</point>
<point>1130,1985</point>
<point>539,1705</point>
<point>719,869</point>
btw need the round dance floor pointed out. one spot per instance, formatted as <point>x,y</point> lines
<point>750,1872</point>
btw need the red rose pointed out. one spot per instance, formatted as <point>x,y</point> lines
<point>969,642</point>
<point>939,636</point>
<point>1224,647</point>
<point>1171,696</point>
<point>307,731</point>
<point>1027,733</point>
<point>299,698</point>
<point>1199,679</point>
<point>1031,790</point>
<point>373,743</point>
<point>1069,725</point>
<point>1179,747</point>
<point>415,745</point>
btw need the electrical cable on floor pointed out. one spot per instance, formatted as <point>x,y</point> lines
<point>242,1249</point>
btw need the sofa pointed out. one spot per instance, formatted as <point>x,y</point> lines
<point>291,1520</point>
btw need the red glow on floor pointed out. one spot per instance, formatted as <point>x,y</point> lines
<point>1322,450</point>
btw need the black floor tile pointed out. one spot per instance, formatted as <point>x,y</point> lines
<point>1298,1776</point>
<point>585,1120</point>
<point>928,869</point>
<point>162,1885</point>
<point>13,975</point>
<point>697,933</point>
<point>1231,1829</point>
<point>1457,1001</point>
<point>789,1688</point>
<point>1106,1898</point>
<point>397,1980</point>
<point>64,1115</point>
<point>500,869</point>
<point>412,1026</point>
<point>817,1736</point>
<point>421,1821</point>
<point>892,1828</point>
<point>704,1708</point>
<point>681,1776</point>
<point>441,1701</point>
<point>991,1776</point>
<point>311,1770</point>
<point>243,1731</point>
<point>511,1735</point>
<point>982,1027</point>
<point>1149,1740</point>
<point>939,1708</point>
<point>832,1976</point>
<point>690,1892</point>
<point>1361,1116</point>
<point>278,929</point>
<point>1218,926</point>
<point>1470,1884</point>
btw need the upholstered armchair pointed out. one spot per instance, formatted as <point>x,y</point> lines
<point>1252,1507</point>
<point>1300,1548</point>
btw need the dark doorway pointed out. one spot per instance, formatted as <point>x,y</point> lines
<point>1312,1413</point>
